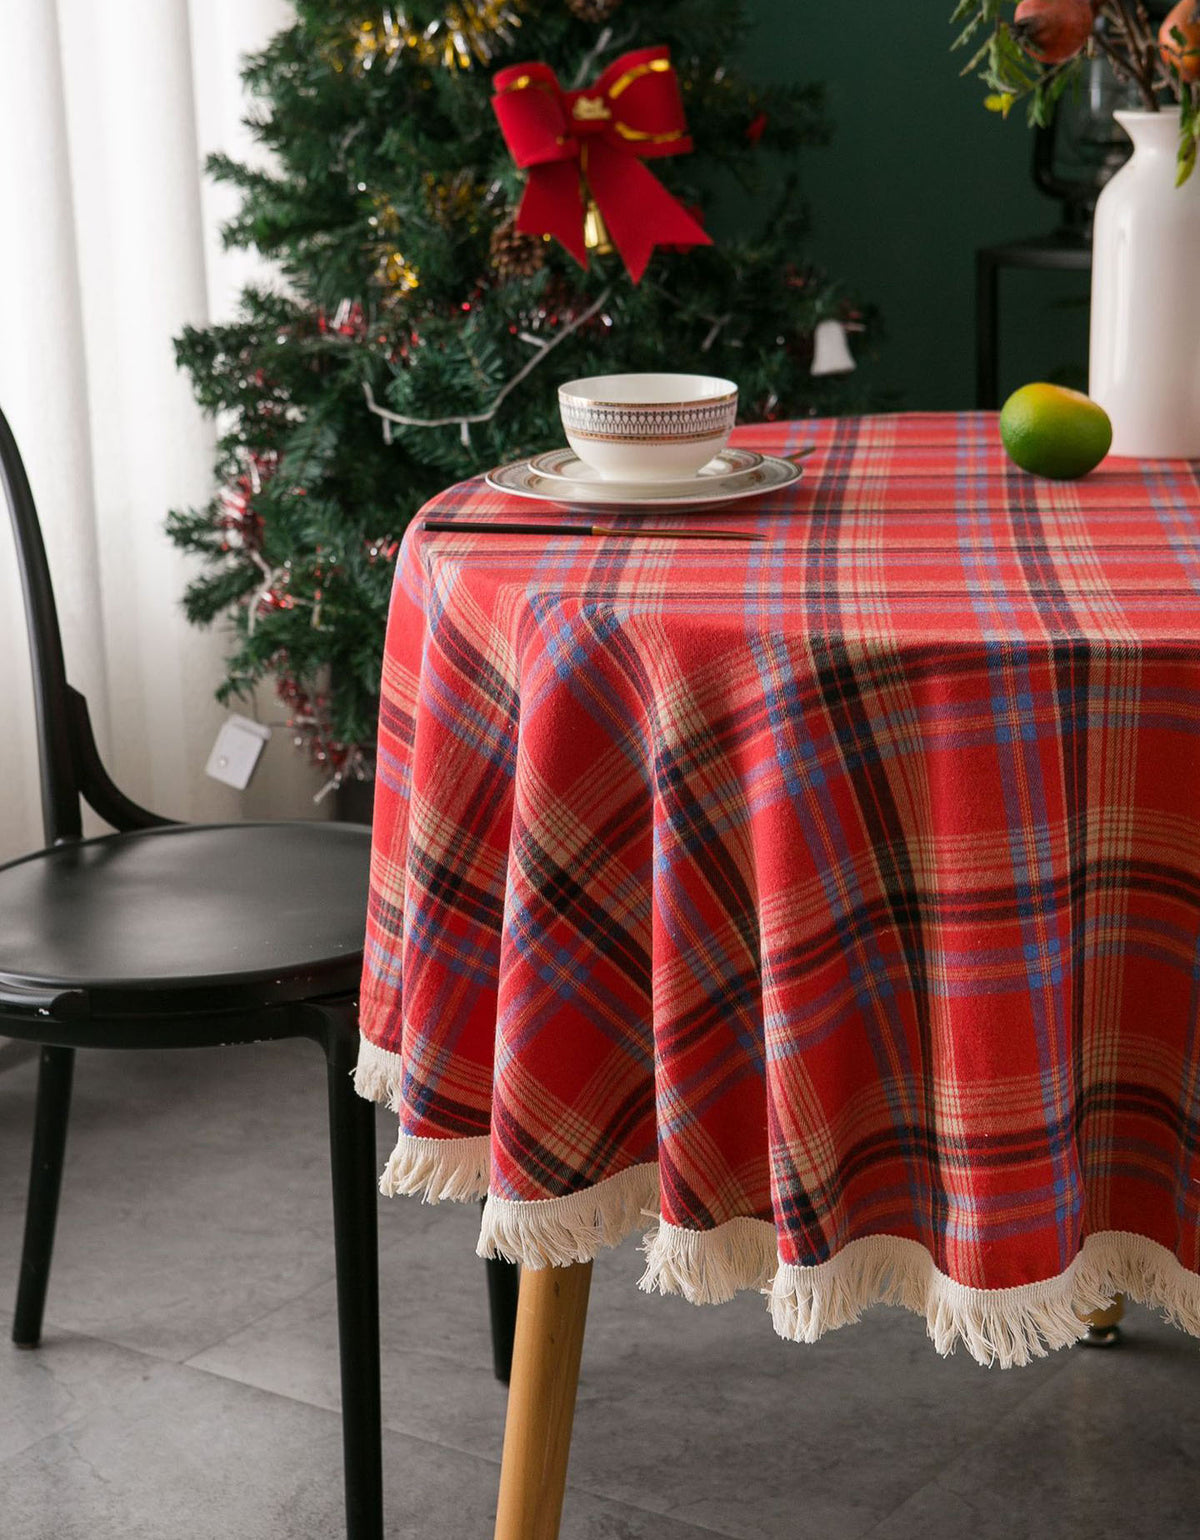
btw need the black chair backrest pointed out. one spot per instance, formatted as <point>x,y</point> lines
<point>60,791</point>
<point>70,763</point>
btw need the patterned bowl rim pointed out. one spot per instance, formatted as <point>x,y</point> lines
<point>730,394</point>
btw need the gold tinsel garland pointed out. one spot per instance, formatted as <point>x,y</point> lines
<point>470,32</point>
<point>393,272</point>
<point>454,200</point>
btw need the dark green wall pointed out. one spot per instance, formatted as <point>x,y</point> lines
<point>917,176</point>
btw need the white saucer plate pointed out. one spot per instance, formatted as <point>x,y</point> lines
<point>522,479</point>
<point>565,465</point>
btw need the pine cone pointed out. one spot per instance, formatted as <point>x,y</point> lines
<point>595,11</point>
<point>515,254</point>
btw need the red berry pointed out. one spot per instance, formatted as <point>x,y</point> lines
<point>1053,31</point>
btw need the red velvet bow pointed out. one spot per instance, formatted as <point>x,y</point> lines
<point>600,135</point>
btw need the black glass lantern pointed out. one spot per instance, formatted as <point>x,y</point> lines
<point>1082,147</point>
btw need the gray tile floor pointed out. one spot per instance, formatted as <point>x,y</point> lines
<point>187,1385</point>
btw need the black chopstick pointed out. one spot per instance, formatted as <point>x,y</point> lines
<point>632,531</point>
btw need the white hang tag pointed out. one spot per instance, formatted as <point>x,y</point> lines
<point>236,751</point>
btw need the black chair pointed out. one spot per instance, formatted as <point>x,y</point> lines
<point>167,935</point>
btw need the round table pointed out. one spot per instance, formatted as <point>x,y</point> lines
<point>827,906</point>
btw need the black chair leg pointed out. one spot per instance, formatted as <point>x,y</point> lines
<point>355,1168</point>
<point>503,1283</point>
<point>45,1183</point>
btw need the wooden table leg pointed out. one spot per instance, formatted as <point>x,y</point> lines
<point>551,1315</point>
<point>1104,1326</point>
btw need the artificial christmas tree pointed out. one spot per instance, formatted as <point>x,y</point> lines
<point>426,314</point>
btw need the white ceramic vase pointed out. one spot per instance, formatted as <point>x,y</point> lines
<point>1145,344</point>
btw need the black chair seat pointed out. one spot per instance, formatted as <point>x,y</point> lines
<point>190,917</point>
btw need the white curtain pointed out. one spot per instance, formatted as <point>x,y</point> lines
<point>108,246</point>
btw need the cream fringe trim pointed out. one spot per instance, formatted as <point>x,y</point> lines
<point>1005,1327</point>
<point>379,1074</point>
<point>710,1266</point>
<point>996,1326</point>
<point>437,1170</point>
<point>554,1232</point>
<point>1008,1327</point>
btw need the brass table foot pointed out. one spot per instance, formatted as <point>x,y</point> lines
<point>1104,1326</point>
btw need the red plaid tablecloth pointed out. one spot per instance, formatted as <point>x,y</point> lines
<point>829,907</point>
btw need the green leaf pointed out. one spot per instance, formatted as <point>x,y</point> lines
<point>976,58</point>
<point>1187,162</point>
<point>1189,135</point>
<point>1009,63</point>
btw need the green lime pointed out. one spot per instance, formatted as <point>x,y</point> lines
<point>1054,432</point>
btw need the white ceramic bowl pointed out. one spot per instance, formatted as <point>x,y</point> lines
<point>647,427</point>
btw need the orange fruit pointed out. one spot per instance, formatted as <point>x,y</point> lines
<point>1055,432</point>
<point>1182,52</point>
